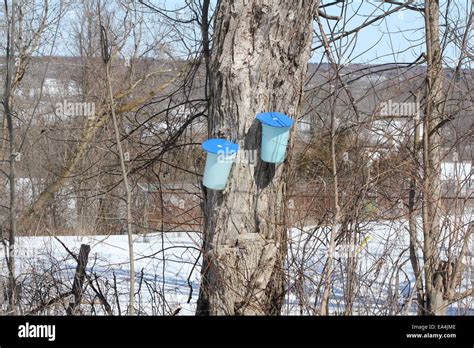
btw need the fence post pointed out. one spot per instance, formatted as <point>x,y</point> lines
<point>79,278</point>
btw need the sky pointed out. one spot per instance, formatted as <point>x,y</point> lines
<point>397,38</point>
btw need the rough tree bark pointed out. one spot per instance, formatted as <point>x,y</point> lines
<point>431,209</point>
<point>258,63</point>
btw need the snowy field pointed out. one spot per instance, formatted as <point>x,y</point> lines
<point>167,272</point>
<point>384,275</point>
<point>164,264</point>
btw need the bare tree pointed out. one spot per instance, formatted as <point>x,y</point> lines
<point>7,110</point>
<point>24,32</point>
<point>440,276</point>
<point>107,56</point>
<point>431,157</point>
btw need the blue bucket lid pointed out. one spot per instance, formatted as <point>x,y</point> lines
<point>219,146</point>
<point>275,119</point>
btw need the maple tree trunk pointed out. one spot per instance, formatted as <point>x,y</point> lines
<point>258,64</point>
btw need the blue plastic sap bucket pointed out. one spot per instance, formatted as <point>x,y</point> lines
<point>221,154</point>
<point>275,134</point>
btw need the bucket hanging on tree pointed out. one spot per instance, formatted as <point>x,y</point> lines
<point>221,154</point>
<point>275,134</point>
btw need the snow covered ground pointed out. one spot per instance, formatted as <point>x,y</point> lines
<point>384,276</point>
<point>167,268</point>
<point>164,264</point>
